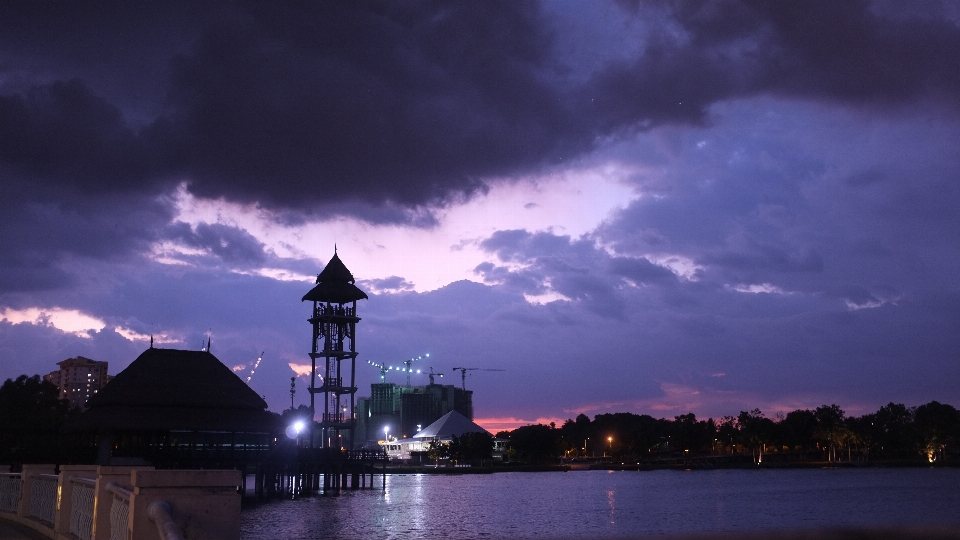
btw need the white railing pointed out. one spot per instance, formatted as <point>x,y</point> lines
<point>10,484</point>
<point>82,507</point>
<point>119,511</point>
<point>43,498</point>
<point>119,504</point>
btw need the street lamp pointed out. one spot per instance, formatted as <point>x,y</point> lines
<point>294,430</point>
<point>386,431</point>
<point>610,445</point>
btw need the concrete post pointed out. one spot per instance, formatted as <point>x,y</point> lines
<point>103,499</point>
<point>27,477</point>
<point>26,486</point>
<point>205,505</point>
<point>61,524</point>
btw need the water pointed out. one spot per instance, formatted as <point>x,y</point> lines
<point>615,503</point>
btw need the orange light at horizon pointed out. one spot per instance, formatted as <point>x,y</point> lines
<point>495,425</point>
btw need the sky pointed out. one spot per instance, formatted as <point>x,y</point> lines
<point>651,207</point>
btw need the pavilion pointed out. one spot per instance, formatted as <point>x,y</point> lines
<point>177,408</point>
<point>453,424</point>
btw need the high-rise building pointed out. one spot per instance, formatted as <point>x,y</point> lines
<point>402,409</point>
<point>79,379</point>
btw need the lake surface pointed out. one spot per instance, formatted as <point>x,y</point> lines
<point>616,503</point>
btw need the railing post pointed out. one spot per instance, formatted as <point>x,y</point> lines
<point>27,476</point>
<point>61,524</point>
<point>103,499</point>
<point>204,505</point>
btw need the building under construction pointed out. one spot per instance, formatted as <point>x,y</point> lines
<point>403,410</point>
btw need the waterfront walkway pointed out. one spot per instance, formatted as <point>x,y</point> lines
<point>14,531</point>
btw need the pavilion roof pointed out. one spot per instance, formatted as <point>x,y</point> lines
<point>448,425</point>
<point>170,389</point>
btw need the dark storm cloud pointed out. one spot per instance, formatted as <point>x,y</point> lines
<point>400,105</point>
<point>291,105</point>
<point>835,51</point>
<point>63,134</point>
<point>231,244</point>
<point>47,237</point>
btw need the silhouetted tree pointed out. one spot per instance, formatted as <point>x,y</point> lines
<point>692,435</point>
<point>31,415</point>
<point>894,430</point>
<point>536,444</point>
<point>437,451</point>
<point>727,433</point>
<point>797,429</point>
<point>756,431</point>
<point>471,447</point>
<point>937,427</point>
<point>574,434</point>
<point>831,431</point>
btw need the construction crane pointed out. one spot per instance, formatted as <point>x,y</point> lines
<point>407,368</point>
<point>463,373</point>
<point>383,370</point>
<point>407,363</point>
<point>255,365</point>
<point>432,374</point>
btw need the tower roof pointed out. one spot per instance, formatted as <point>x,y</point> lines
<point>335,271</point>
<point>335,285</point>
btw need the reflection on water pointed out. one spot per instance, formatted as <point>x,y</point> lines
<point>613,507</point>
<point>605,504</point>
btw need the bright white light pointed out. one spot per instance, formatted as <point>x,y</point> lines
<point>299,425</point>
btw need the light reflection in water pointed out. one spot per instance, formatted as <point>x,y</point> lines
<point>611,500</point>
<point>597,504</point>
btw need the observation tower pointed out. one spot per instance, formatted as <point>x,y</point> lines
<point>334,322</point>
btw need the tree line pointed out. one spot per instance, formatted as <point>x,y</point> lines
<point>929,432</point>
<point>31,415</point>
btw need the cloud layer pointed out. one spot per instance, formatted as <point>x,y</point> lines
<point>788,237</point>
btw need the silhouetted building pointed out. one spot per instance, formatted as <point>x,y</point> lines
<point>404,409</point>
<point>177,408</point>
<point>79,379</point>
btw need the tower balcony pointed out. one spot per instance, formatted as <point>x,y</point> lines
<point>334,386</point>
<point>336,420</point>
<point>333,353</point>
